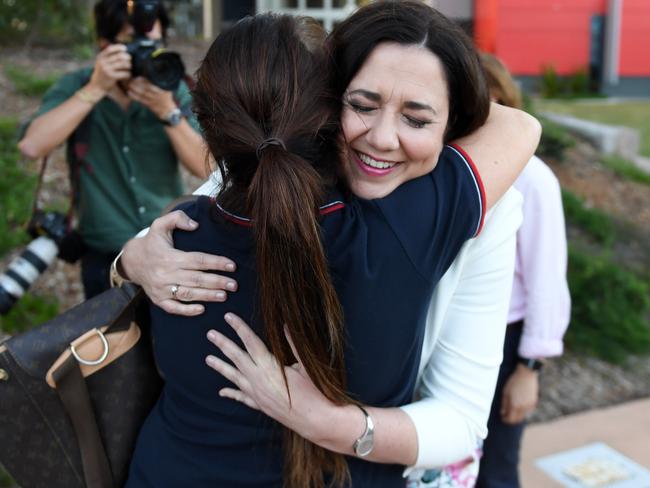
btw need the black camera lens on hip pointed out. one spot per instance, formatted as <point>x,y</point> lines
<point>52,238</point>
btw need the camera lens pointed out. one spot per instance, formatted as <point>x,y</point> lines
<point>24,270</point>
<point>164,69</point>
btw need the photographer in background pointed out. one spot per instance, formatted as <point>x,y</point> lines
<point>125,135</point>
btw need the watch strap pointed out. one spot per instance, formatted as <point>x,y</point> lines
<point>530,363</point>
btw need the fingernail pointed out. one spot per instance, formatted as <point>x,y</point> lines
<point>228,317</point>
<point>230,267</point>
<point>221,295</point>
<point>231,285</point>
<point>192,223</point>
<point>210,360</point>
<point>212,335</point>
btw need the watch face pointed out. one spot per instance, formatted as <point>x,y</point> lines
<point>175,118</point>
<point>364,446</point>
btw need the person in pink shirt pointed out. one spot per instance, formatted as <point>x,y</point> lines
<point>539,308</point>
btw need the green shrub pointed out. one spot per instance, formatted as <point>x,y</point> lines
<point>610,307</point>
<point>5,480</point>
<point>626,169</point>
<point>83,52</point>
<point>576,85</point>
<point>597,224</point>
<point>27,83</point>
<point>51,22</point>
<point>555,140</point>
<point>16,190</point>
<point>28,312</point>
<point>552,85</point>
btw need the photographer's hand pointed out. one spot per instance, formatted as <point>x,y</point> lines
<point>187,143</point>
<point>159,101</point>
<point>55,126</point>
<point>112,64</point>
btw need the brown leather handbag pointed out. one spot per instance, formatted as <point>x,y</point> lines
<point>75,391</point>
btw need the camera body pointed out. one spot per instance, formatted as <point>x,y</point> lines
<point>54,225</point>
<point>149,58</point>
<point>48,223</point>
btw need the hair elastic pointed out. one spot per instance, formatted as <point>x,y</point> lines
<point>272,141</point>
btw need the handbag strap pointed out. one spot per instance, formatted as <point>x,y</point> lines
<point>73,393</point>
<point>124,317</point>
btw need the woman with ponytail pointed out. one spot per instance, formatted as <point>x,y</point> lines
<point>310,255</point>
<point>270,124</point>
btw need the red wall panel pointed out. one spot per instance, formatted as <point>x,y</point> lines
<point>486,14</point>
<point>534,33</point>
<point>635,38</point>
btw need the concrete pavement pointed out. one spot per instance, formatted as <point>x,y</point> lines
<point>625,428</point>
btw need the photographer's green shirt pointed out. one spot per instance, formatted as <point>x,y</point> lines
<point>130,171</point>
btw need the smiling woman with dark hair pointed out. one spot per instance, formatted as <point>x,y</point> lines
<point>338,282</point>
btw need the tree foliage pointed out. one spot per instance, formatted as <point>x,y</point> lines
<point>45,22</point>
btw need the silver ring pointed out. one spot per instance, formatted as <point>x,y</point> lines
<point>89,362</point>
<point>174,291</point>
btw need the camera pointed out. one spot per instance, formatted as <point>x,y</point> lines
<point>149,58</point>
<point>52,238</point>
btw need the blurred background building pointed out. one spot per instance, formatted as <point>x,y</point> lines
<point>605,41</point>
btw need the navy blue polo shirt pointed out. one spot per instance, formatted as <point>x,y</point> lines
<point>385,258</point>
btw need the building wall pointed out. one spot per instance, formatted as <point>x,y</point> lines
<point>635,38</point>
<point>454,9</point>
<point>529,34</point>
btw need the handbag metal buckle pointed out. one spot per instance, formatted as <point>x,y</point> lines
<point>95,362</point>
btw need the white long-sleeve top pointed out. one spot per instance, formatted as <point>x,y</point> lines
<point>463,343</point>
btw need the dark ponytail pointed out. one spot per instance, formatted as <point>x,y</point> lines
<point>265,78</point>
<point>294,283</point>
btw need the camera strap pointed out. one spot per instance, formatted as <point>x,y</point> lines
<point>78,143</point>
<point>39,186</point>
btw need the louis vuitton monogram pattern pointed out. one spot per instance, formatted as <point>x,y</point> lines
<point>39,447</point>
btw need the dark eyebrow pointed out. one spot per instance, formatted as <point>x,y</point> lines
<point>375,97</point>
<point>419,106</point>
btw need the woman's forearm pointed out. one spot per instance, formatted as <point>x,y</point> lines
<point>395,437</point>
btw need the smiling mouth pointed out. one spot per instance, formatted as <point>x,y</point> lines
<point>373,163</point>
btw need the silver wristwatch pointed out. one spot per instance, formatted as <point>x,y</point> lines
<point>364,444</point>
<point>173,117</point>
